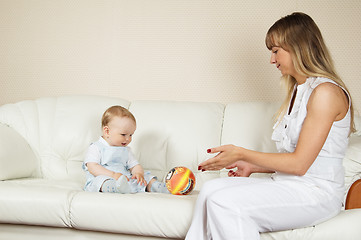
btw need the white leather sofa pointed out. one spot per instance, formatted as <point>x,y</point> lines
<point>42,145</point>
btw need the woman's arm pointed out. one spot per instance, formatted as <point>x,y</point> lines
<point>327,104</point>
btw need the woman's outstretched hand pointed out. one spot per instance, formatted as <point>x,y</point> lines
<point>227,155</point>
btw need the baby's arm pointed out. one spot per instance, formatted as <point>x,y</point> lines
<point>96,169</point>
<point>138,173</point>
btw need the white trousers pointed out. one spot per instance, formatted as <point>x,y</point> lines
<point>241,208</point>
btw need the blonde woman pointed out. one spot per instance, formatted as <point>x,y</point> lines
<point>311,134</point>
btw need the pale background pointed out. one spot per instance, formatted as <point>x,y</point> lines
<point>183,50</point>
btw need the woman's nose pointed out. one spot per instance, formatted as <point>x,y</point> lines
<point>273,59</point>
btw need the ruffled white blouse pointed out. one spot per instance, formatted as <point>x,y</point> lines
<point>287,130</point>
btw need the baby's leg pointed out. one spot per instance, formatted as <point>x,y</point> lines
<point>96,184</point>
<point>109,186</point>
<point>149,185</point>
<point>136,187</point>
<point>155,186</point>
<point>115,186</point>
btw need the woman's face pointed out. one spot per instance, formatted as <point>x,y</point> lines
<point>283,61</point>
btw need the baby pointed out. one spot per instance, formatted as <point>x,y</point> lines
<point>110,165</point>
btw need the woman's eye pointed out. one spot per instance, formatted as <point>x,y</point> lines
<point>274,50</point>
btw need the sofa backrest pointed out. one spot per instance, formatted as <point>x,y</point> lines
<point>171,134</point>
<point>59,131</point>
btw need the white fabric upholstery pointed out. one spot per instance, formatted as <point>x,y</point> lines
<point>139,214</point>
<point>37,201</point>
<point>249,125</point>
<point>19,163</point>
<point>43,143</point>
<point>173,134</point>
<point>58,130</point>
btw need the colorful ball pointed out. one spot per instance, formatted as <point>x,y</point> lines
<point>180,181</point>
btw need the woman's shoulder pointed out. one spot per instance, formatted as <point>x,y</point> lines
<point>314,82</point>
<point>323,85</point>
<point>326,88</point>
<point>329,95</point>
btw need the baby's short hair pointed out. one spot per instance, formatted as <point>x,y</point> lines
<point>116,111</point>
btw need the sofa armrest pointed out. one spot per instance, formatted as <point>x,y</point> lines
<point>353,199</point>
<point>17,159</point>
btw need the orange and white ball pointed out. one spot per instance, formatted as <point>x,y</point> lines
<point>180,181</point>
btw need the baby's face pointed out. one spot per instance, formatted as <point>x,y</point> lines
<point>119,131</point>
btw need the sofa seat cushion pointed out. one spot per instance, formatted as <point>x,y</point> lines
<point>344,226</point>
<point>148,214</point>
<point>29,232</point>
<point>37,201</point>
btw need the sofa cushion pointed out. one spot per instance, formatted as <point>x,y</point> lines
<point>343,226</point>
<point>17,160</point>
<point>147,214</point>
<point>249,125</point>
<point>37,201</point>
<point>59,130</point>
<point>171,134</point>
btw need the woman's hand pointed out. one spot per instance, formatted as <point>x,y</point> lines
<point>244,169</point>
<point>227,155</point>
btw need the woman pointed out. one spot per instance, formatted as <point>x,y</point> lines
<point>311,135</point>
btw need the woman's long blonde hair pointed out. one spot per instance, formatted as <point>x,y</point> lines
<point>298,34</point>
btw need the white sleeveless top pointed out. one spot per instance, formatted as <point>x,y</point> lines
<point>328,164</point>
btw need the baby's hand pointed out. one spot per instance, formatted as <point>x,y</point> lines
<point>140,178</point>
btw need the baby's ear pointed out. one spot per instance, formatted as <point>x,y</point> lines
<point>106,130</point>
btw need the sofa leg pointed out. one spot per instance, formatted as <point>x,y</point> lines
<point>353,199</point>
